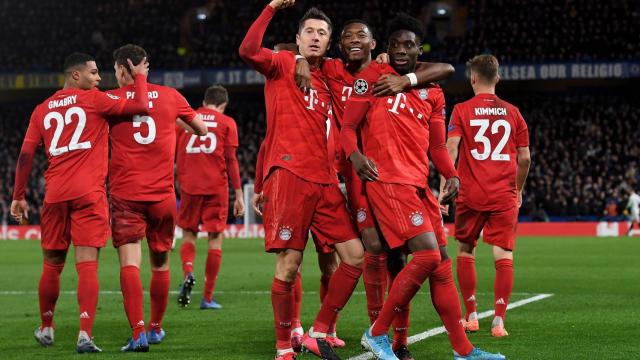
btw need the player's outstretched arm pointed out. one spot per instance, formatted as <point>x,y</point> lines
<point>251,50</point>
<point>442,161</point>
<point>524,162</point>
<point>426,73</point>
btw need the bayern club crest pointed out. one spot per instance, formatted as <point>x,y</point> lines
<point>361,215</point>
<point>361,86</point>
<point>285,233</point>
<point>424,94</point>
<point>417,219</point>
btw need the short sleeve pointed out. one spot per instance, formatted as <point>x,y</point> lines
<point>455,123</point>
<point>185,112</point>
<point>232,133</point>
<point>107,103</point>
<point>522,131</point>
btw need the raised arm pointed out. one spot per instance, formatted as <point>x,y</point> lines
<point>251,50</point>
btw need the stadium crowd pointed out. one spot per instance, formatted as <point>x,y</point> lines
<point>570,177</point>
<point>205,33</point>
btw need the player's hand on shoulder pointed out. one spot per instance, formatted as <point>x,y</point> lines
<point>281,4</point>
<point>256,203</point>
<point>302,74</point>
<point>141,68</point>
<point>383,58</point>
<point>389,84</point>
<point>450,191</point>
<point>20,210</point>
<point>365,168</point>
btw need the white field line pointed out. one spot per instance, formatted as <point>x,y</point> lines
<point>439,330</point>
<point>231,292</point>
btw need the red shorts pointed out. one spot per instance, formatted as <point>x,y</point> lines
<point>499,226</point>
<point>356,196</point>
<point>401,211</point>
<point>294,206</point>
<point>209,210</point>
<point>83,221</point>
<point>435,216</point>
<point>134,220</point>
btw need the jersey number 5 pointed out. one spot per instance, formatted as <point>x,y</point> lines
<point>61,121</point>
<point>497,154</point>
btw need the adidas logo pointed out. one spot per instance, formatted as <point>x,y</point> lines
<point>472,298</point>
<point>84,315</point>
<point>140,323</point>
<point>47,313</point>
<point>500,302</point>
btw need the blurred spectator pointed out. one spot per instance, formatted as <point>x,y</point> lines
<point>187,34</point>
<point>584,149</point>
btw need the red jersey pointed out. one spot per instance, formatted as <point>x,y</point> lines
<point>74,130</point>
<point>202,168</point>
<point>143,150</point>
<point>297,123</point>
<point>491,129</point>
<point>395,135</point>
<point>340,82</point>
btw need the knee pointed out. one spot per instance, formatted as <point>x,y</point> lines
<point>55,257</point>
<point>286,269</point>
<point>372,242</point>
<point>465,249</point>
<point>159,260</point>
<point>354,255</point>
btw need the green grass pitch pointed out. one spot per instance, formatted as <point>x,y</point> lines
<point>593,313</point>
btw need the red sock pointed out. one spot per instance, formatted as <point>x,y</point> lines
<point>324,286</point>
<point>405,287</point>
<point>375,282</point>
<point>159,293</point>
<point>297,301</point>
<point>467,280</point>
<point>282,302</point>
<point>88,288</point>
<point>214,257</point>
<point>342,284</point>
<point>48,291</point>
<point>503,285</point>
<point>188,255</point>
<point>131,287</point>
<point>401,327</point>
<point>444,296</point>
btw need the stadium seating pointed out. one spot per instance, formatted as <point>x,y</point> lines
<point>570,178</point>
<point>203,34</point>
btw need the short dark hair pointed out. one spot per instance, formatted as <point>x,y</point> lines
<point>216,95</point>
<point>404,21</point>
<point>76,59</point>
<point>486,66</point>
<point>314,13</point>
<point>134,52</point>
<point>358,21</point>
